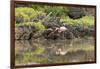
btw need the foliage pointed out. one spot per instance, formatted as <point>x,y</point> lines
<point>28,57</point>
<point>38,25</point>
<point>24,16</point>
<point>81,48</point>
<point>39,8</point>
<point>57,10</point>
<point>26,13</point>
<point>85,21</point>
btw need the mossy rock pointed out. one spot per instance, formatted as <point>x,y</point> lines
<point>76,13</point>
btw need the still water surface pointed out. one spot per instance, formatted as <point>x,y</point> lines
<point>41,51</point>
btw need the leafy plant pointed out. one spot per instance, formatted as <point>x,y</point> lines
<point>57,10</point>
<point>85,21</point>
<point>39,26</point>
<point>26,13</point>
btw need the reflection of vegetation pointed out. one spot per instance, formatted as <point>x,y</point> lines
<point>38,51</point>
<point>31,57</point>
<point>28,58</point>
<point>81,48</point>
<point>45,53</point>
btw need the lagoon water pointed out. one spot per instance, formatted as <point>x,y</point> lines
<point>42,51</point>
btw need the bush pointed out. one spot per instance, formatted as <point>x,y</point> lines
<point>84,21</point>
<point>38,25</point>
<point>26,13</point>
<point>57,10</point>
<point>24,16</point>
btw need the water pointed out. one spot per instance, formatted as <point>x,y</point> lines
<point>42,51</point>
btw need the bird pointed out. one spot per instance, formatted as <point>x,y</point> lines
<point>62,29</point>
<point>60,51</point>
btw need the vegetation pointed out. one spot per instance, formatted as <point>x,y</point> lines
<point>38,25</point>
<point>85,21</point>
<point>24,16</point>
<point>57,10</point>
<point>26,13</point>
<point>37,18</point>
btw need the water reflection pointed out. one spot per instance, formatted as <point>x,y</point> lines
<point>40,51</point>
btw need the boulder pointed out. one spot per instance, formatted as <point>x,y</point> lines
<point>72,30</point>
<point>85,31</point>
<point>68,34</point>
<point>38,18</point>
<point>24,32</point>
<point>54,21</point>
<point>36,35</point>
<point>76,12</point>
<point>55,34</point>
<point>47,32</point>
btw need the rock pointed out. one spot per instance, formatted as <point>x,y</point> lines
<point>42,16</point>
<point>17,36</point>
<point>89,31</point>
<point>18,32</point>
<point>55,34</point>
<point>92,32</point>
<point>75,33</point>
<point>54,28</point>
<point>34,20</point>
<point>51,34</point>
<point>68,34</point>
<point>19,19</point>
<point>24,32</point>
<point>48,25</point>
<point>26,36</point>
<point>85,31</point>
<point>37,35</point>
<point>89,11</point>
<point>76,13</point>
<point>38,18</point>
<point>47,32</point>
<point>54,21</point>
<point>72,30</point>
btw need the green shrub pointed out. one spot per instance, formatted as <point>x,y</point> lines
<point>39,26</point>
<point>85,21</point>
<point>39,7</point>
<point>26,13</point>
<point>57,10</point>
